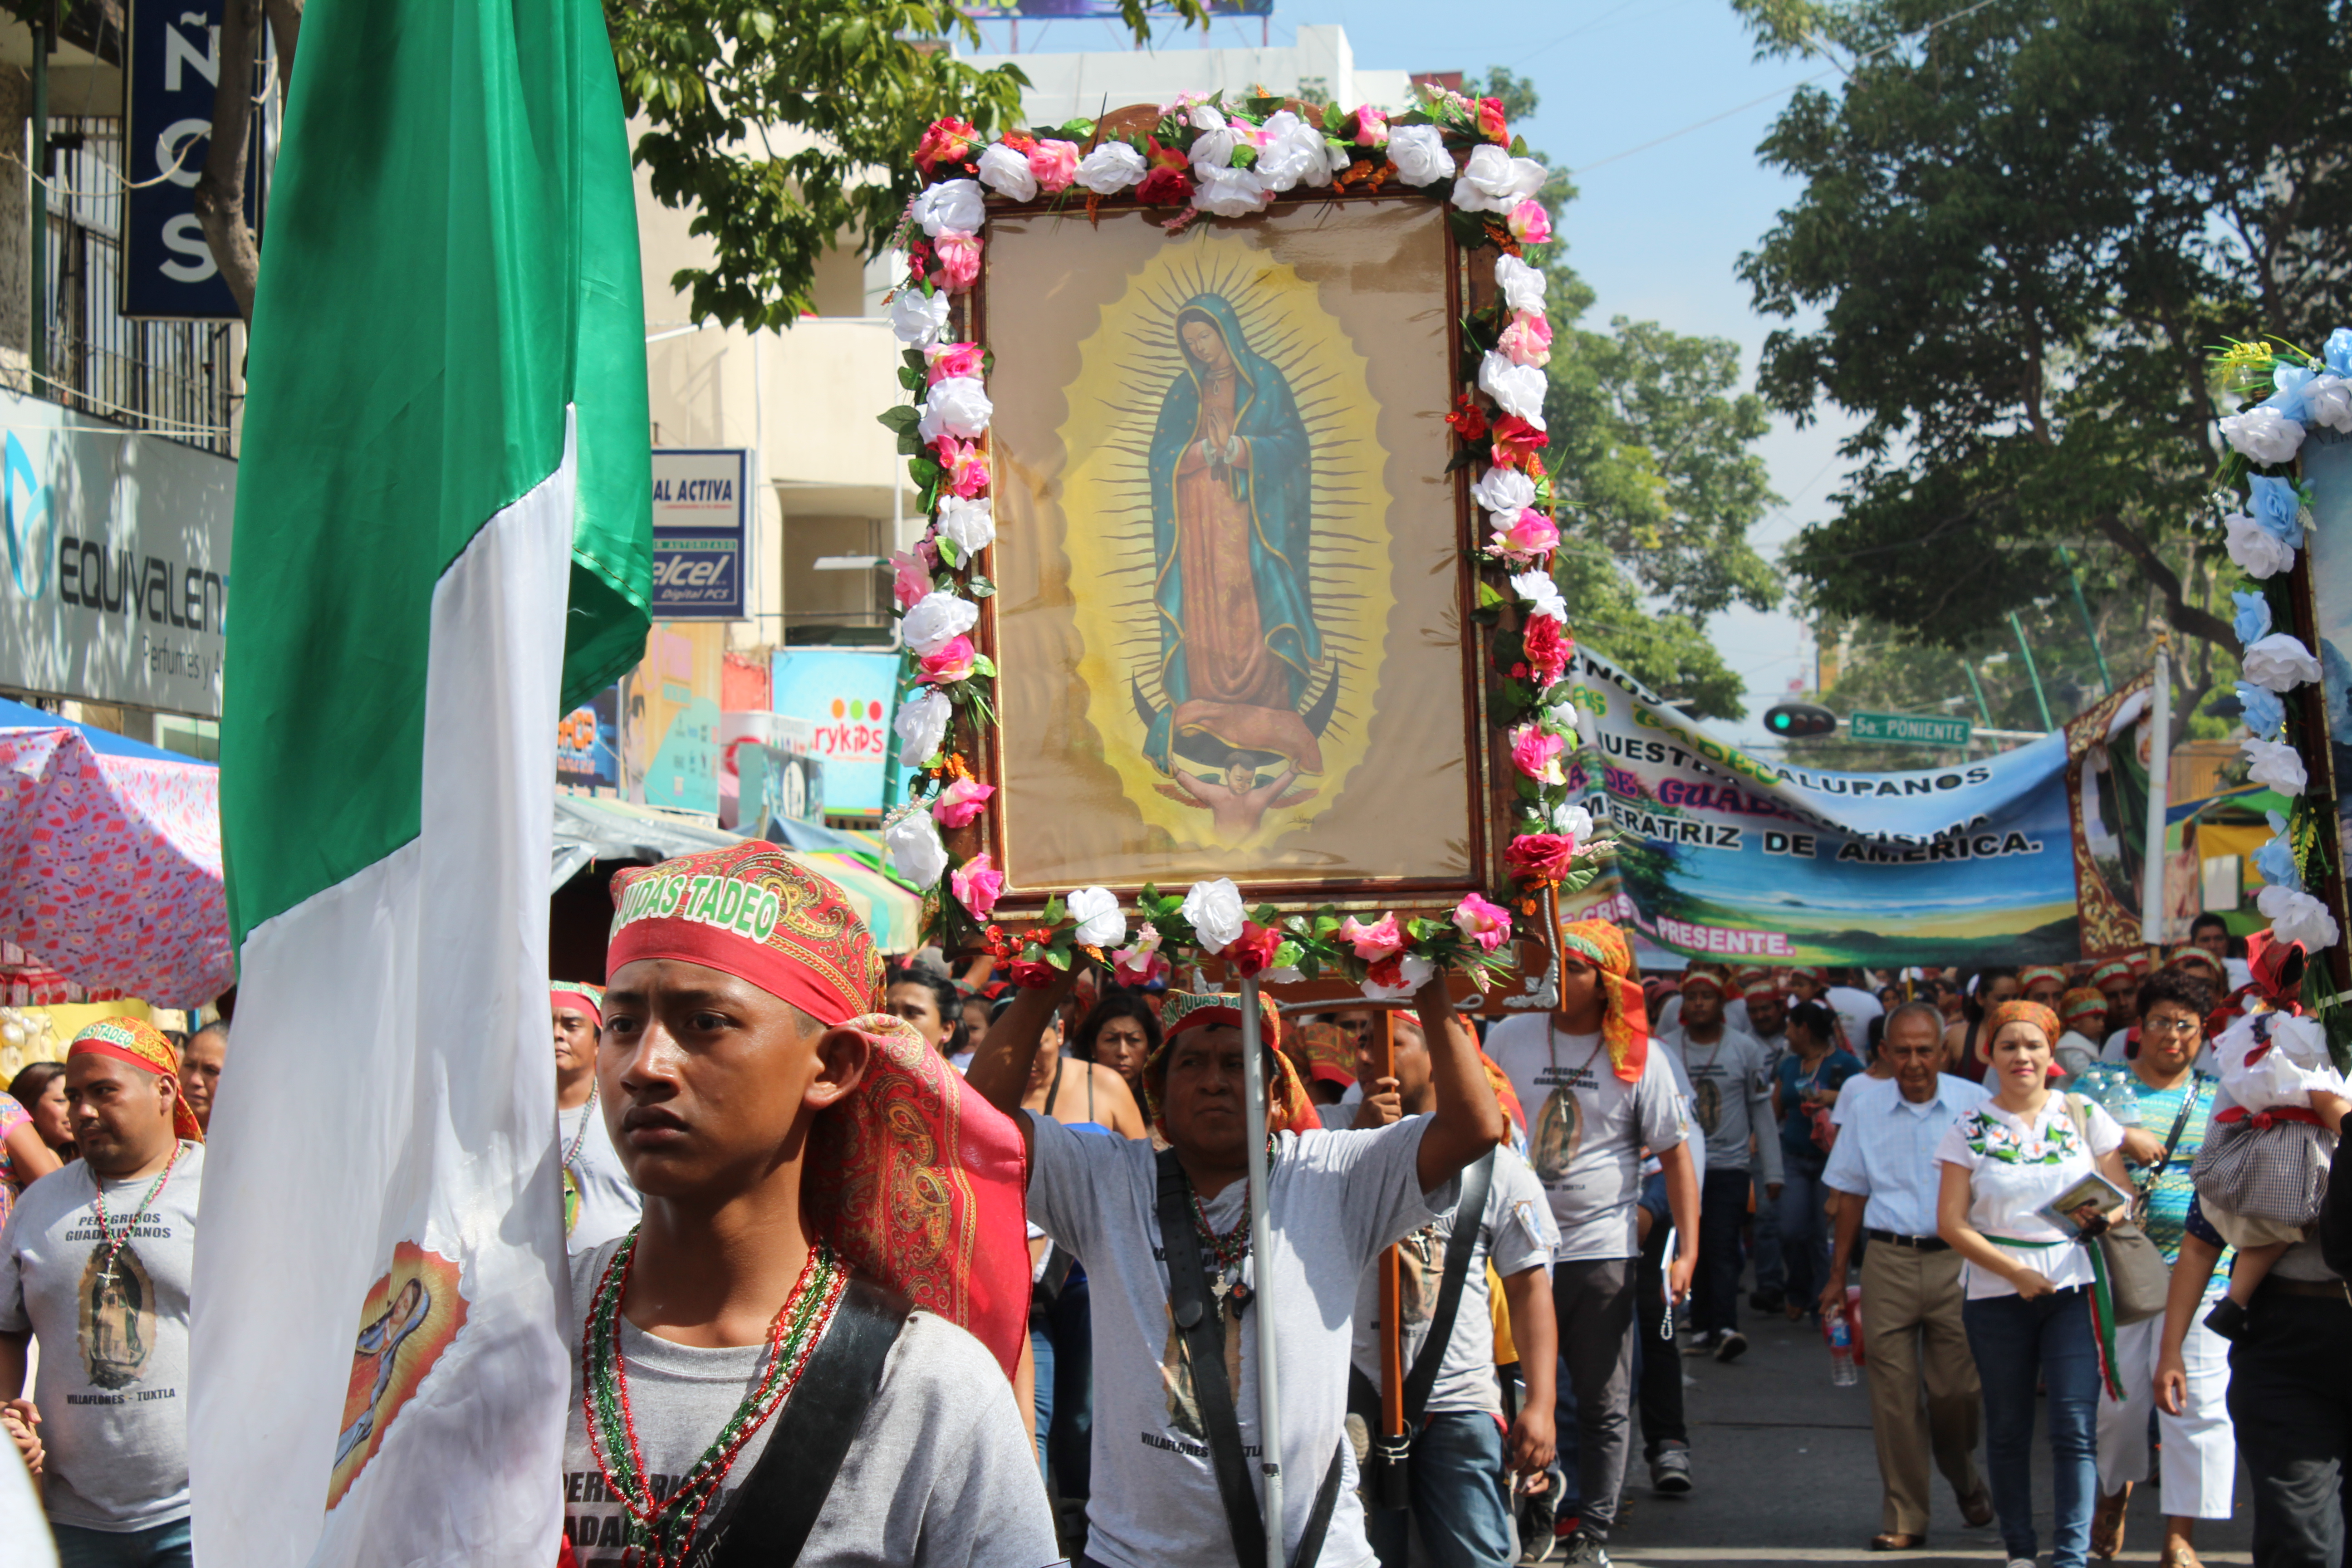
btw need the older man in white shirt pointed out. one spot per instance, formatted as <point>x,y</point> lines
<point>1911,1289</point>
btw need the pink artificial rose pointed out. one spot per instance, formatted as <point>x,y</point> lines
<point>1529,224</point>
<point>1517,443</point>
<point>1378,941</point>
<point>1488,925</point>
<point>1253,951</point>
<point>911,580</point>
<point>1138,967</point>
<point>1491,124</point>
<point>966,468</point>
<point>958,256</point>
<point>1528,340</point>
<point>950,360</point>
<point>961,801</point>
<point>1055,164</point>
<point>1372,128</point>
<point>1531,534</point>
<point>952,663</point>
<point>944,141</point>
<point>1540,856</point>
<point>977,884</point>
<point>1534,752</point>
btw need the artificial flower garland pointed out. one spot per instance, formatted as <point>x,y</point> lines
<point>1201,157</point>
<point>2263,516</point>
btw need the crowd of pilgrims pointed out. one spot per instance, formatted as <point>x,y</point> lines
<point>2100,1188</point>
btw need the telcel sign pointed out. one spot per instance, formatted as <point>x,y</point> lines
<point>117,587</point>
<point>698,503</point>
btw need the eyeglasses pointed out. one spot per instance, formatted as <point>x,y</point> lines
<point>2171,1025</point>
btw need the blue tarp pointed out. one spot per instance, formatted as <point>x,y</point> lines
<point>17,716</point>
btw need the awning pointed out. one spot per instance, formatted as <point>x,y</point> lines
<point>894,915</point>
<point>110,861</point>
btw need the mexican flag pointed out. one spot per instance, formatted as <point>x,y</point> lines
<point>443,537</point>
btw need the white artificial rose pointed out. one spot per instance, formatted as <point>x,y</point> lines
<point>1204,117</point>
<point>2329,399</point>
<point>1007,173</point>
<point>916,852</point>
<point>1215,909</point>
<point>950,204</point>
<point>1213,148</point>
<point>1494,181</point>
<point>1420,155</point>
<point>1505,490</point>
<point>2264,435</point>
<point>1100,923</point>
<point>956,406</point>
<point>2298,917</point>
<point>917,319</point>
<point>1292,154</point>
<point>2274,764</point>
<point>1522,286</point>
<point>1540,594</point>
<point>1110,168</point>
<point>935,620</point>
<point>2258,551</point>
<point>922,725</point>
<point>969,525</point>
<point>1415,972</point>
<point>1228,193</point>
<point>1518,388</point>
<point>1572,821</point>
<point>2279,662</point>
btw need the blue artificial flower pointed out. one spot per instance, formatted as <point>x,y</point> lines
<point>2275,859</point>
<point>2278,507</point>
<point>2337,354</point>
<point>2290,380</point>
<point>2254,622</point>
<point>2265,713</point>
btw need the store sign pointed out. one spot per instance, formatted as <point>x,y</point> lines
<point>168,272</point>
<point>698,511</point>
<point>844,697</point>
<point>116,583</point>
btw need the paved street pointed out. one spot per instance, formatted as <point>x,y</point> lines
<point>1786,1474</point>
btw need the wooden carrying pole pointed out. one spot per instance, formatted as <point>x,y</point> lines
<point>1391,1344</point>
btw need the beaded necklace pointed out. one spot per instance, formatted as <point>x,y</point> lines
<point>662,1530</point>
<point>572,1177</point>
<point>114,1242</point>
<point>1232,1246</point>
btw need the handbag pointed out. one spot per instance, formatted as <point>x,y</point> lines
<point>2277,1173</point>
<point>2132,1271</point>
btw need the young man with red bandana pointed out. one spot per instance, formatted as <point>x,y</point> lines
<point>816,1180</point>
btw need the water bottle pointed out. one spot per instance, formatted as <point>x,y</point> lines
<point>1840,1333</point>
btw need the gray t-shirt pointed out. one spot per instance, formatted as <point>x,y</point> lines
<point>1516,1231</point>
<point>1731,1092</point>
<point>1586,1139</point>
<point>941,1471</point>
<point>609,1205</point>
<point>113,1386</point>
<point>1335,1200</point>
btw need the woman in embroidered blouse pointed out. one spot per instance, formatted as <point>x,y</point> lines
<point>2029,1311</point>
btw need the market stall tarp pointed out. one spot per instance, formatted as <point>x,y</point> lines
<point>111,862</point>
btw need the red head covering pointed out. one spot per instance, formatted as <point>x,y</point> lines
<point>2027,976</point>
<point>580,996</point>
<point>2138,960</point>
<point>1288,1107</point>
<point>916,1183</point>
<point>1313,1046</point>
<point>1625,1026</point>
<point>2112,969</point>
<point>2017,1010</point>
<point>1707,977</point>
<point>139,1044</point>
<point>2081,1003</point>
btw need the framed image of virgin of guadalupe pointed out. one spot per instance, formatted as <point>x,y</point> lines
<point>1230,604</point>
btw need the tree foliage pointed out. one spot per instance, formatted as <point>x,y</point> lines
<point>2022,227</point>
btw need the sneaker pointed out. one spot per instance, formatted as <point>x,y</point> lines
<point>1670,1469</point>
<point>1703,1343</point>
<point>1728,1347</point>
<point>2024,1562</point>
<point>1767,1300</point>
<point>1536,1519</point>
<point>1586,1550</point>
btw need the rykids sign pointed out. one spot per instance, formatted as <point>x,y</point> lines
<point>844,696</point>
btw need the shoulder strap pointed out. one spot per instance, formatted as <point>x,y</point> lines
<point>2188,1103</point>
<point>767,1519</point>
<point>1202,1324</point>
<point>1469,1216</point>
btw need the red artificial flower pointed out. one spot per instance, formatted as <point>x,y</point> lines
<point>1547,650</point>
<point>1034,974</point>
<point>1156,156</point>
<point>945,141</point>
<point>1021,141</point>
<point>1389,971</point>
<point>1516,439</point>
<point>1469,420</point>
<point>1540,856</point>
<point>1165,187</point>
<point>1254,950</point>
<point>1491,124</point>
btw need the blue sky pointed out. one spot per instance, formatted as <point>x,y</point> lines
<point>1656,232</point>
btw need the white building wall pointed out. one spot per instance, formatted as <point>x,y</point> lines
<point>1082,86</point>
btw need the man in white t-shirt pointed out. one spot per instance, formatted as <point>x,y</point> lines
<point>599,1204</point>
<point>95,1263</point>
<point>1335,1199</point>
<point>1768,1026</point>
<point>1731,1091</point>
<point>1461,1454</point>
<point>1598,1094</point>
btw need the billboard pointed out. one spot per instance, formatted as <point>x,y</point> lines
<point>172,70</point>
<point>588,744</point>
<point>117,582</point>
<point>1726,856</point>
<point>700,498</point>
<point>668,709</point>
<point>844,695</point>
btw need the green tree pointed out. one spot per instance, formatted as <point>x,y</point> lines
<point>1652,457</point>
<point>2022,227</point>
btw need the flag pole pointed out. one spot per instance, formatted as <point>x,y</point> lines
<point>2160,795</point>
<point>1392,1285</point>
<point>1269,1402</point>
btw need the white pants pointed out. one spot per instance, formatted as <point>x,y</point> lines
<point>2201,1449</point>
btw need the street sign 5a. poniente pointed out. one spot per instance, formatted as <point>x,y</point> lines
<point>1907,728</point>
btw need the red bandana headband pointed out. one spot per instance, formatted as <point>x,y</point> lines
<point>2081,1002</point>
<point>1288,1107</point>
<point>580,996</point>
<point>2017,1010</point>
<point>139,1044</point>
<point>2026,977</point>
<point>751,911</point>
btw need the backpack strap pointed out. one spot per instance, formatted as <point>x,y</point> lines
<point>768,1518</point>
<point>1469,1216</point>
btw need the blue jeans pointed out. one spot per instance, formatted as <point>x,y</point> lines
<point>1061,1338</point>
<point>158,1546</point>
<point>1459,1495</point>
<point>1804,1233</point>
<point>2013,1341</point>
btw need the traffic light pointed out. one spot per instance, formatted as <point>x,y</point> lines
<point>1799,720</point>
